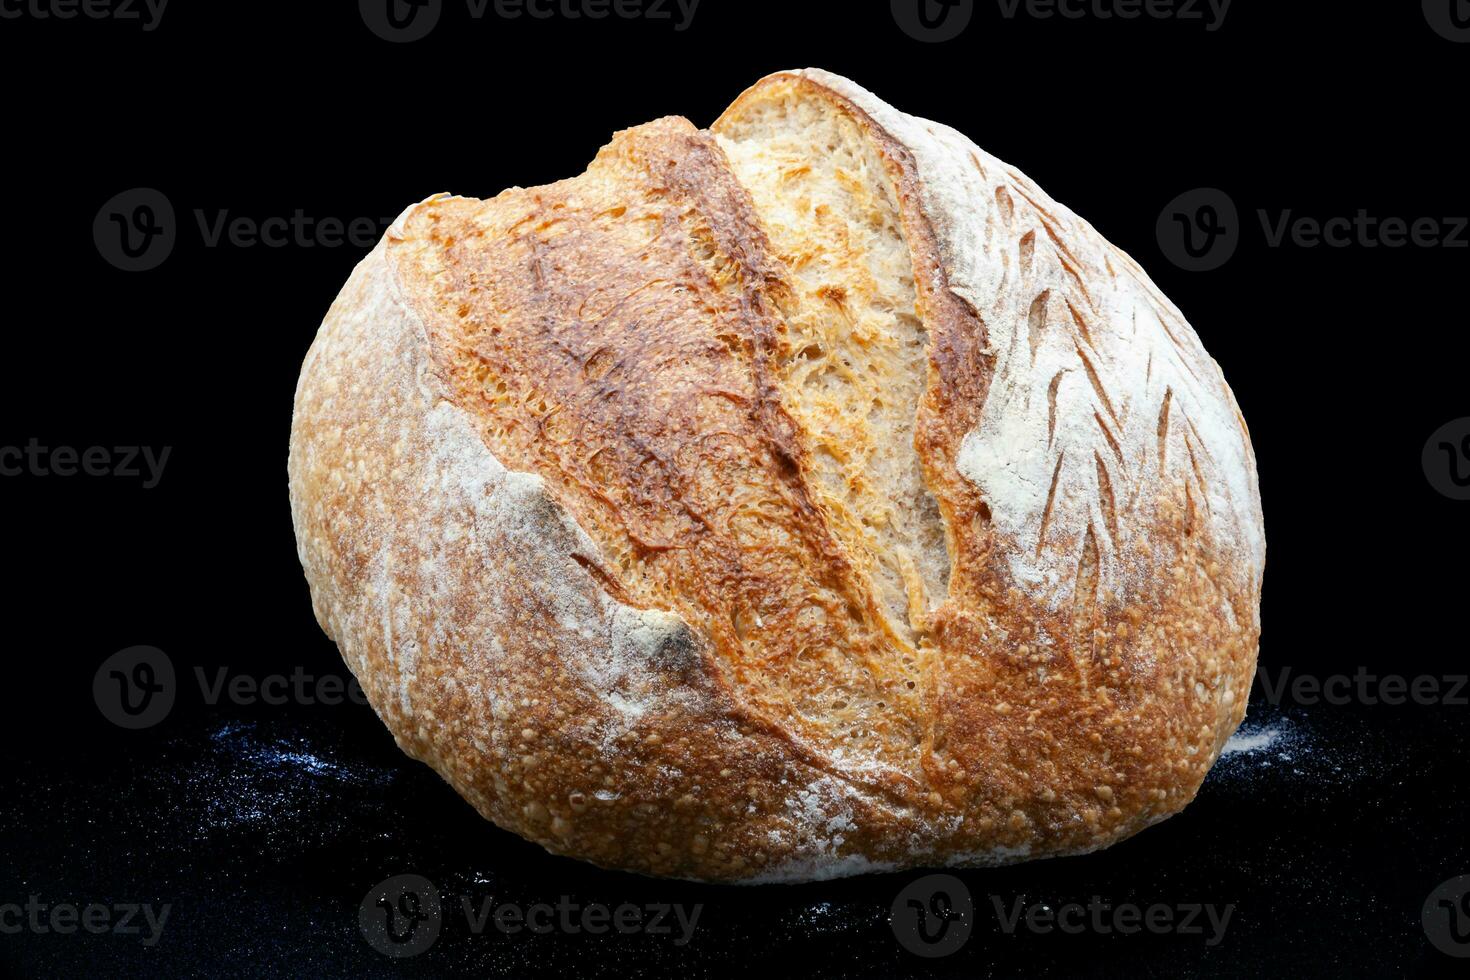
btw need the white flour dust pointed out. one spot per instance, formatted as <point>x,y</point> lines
<point>1250,742</point>
<point>247,777</point>
<point>1284,748</point>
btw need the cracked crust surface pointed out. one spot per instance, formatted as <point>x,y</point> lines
<point>604,554</point>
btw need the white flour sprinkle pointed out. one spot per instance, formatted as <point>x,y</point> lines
<point>1250,742</point>
<point>1285,748</point>
<point>247,777</point>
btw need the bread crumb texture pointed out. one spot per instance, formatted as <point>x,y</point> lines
<point>803,497</point>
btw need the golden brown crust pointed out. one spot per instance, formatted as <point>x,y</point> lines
<point>555,513</point>
<point>1113,721</point>
<point>634,374</point>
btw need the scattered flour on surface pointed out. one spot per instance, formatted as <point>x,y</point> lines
<point>1250,742</point>
<point>1284,748</point>
<point>247,776</point>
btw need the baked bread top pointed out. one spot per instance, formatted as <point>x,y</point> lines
<point>791,499</point>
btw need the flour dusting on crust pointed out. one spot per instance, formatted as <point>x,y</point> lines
<point>463,519</point>
<point>1102,395</point>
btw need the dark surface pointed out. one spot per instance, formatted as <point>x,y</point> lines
<point>265,834</point>
<point>264,827</point>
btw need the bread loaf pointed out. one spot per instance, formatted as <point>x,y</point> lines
<point>806,496</point>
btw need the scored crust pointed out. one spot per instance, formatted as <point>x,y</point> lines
<point>576,521</point>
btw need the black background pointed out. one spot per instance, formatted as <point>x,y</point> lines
<point>1344,360</point>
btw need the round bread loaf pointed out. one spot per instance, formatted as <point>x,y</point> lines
<point>806,496</point>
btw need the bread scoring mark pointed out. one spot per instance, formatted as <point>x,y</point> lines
<point>857,366</point>
<point>1036,322</point>
<point>1084,608</point>
<point>1065,256</point>
<point>1163,430</point>
<point>1110,439</point>
<point>1051,498</point>
<point>1199,476</point>
<point>1105,497</point>
<point>1051,407</point>
<point>640,379</point>
<point>1004,203</point>
<point>1097,385</point>
<point>1080,321</point>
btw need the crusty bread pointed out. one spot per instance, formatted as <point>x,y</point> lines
<point>802,497</point>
